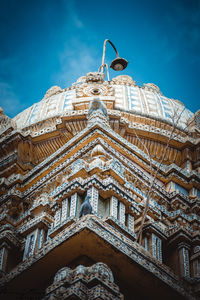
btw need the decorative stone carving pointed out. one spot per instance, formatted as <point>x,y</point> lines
<point>65,208</point>
<point>93,193</point>
<point>57,217</point>
<point>97,105</point>
<point>114,207</point>
<point>81,79</point>
<point>123,79</point>
<point>30,244</point>
<point>114,238</point>
<point>5,122</point>
<point>73,206</point>
<point>184,260</point>
<point>122,90</point>
<point>157,247</point>
<point>97,112</point>
<point>197,119</point>
<point>10,236</point>
<point>131,222</point>
<point>84,283</point>
<point>98,150</point>
<point>194,124</point>
<point>103,159</point>
<point>122,210</point>
<point>62,273</point>
<point>196,249</point>
<point>97,77</point>
<point>95,90</point>
<point>53,91</point>
<point>151,87</point>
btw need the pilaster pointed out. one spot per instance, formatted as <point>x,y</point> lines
<point>184,259</point>
<point>94,194</point>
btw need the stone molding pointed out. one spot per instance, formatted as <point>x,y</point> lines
<point>130,249</point>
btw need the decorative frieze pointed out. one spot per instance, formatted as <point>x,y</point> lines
<point>76,282</point>
<point>44,219</point>
<point>122,158</point>
<point>135,148</point>
<point>130,249</point>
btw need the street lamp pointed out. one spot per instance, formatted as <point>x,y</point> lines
<point>118,64</point>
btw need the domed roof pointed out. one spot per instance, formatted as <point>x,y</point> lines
<point>146,100</point>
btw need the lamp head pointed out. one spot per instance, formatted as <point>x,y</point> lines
<point>119,64</point>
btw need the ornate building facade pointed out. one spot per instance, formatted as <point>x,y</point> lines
<point>121,145</point>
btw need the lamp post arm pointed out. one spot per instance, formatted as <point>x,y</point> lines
<point>102,66</point>
<point>104,51</point>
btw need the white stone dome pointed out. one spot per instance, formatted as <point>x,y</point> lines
<point>146,100</point>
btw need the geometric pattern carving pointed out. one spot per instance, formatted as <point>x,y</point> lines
<point>30,244</point>
<point>64,210</point>
<point>130,222</point>
<point>57,217</point>
<point>94,194</point>
<point>122,210</point>
<point>5,122</point>
<point>157,247</point>
<point>186,262</point>
<point>73,206</point>
<point>40,238</point>
<point>114,207</point>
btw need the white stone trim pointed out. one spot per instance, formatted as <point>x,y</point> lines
<point>114,207</point>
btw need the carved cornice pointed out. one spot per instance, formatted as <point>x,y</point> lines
<point>9,235</point>
<point>112,237</point>
<point>163,169</point>
<point>42,220</point>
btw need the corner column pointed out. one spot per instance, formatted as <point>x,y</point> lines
<point>184,259</point>
<point>94,194</point>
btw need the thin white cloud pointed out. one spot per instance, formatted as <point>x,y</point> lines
<point>73,17</point>
<point>77,57</point>
<point>76,60</point>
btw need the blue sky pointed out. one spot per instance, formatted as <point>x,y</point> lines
<point>53,42</point>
